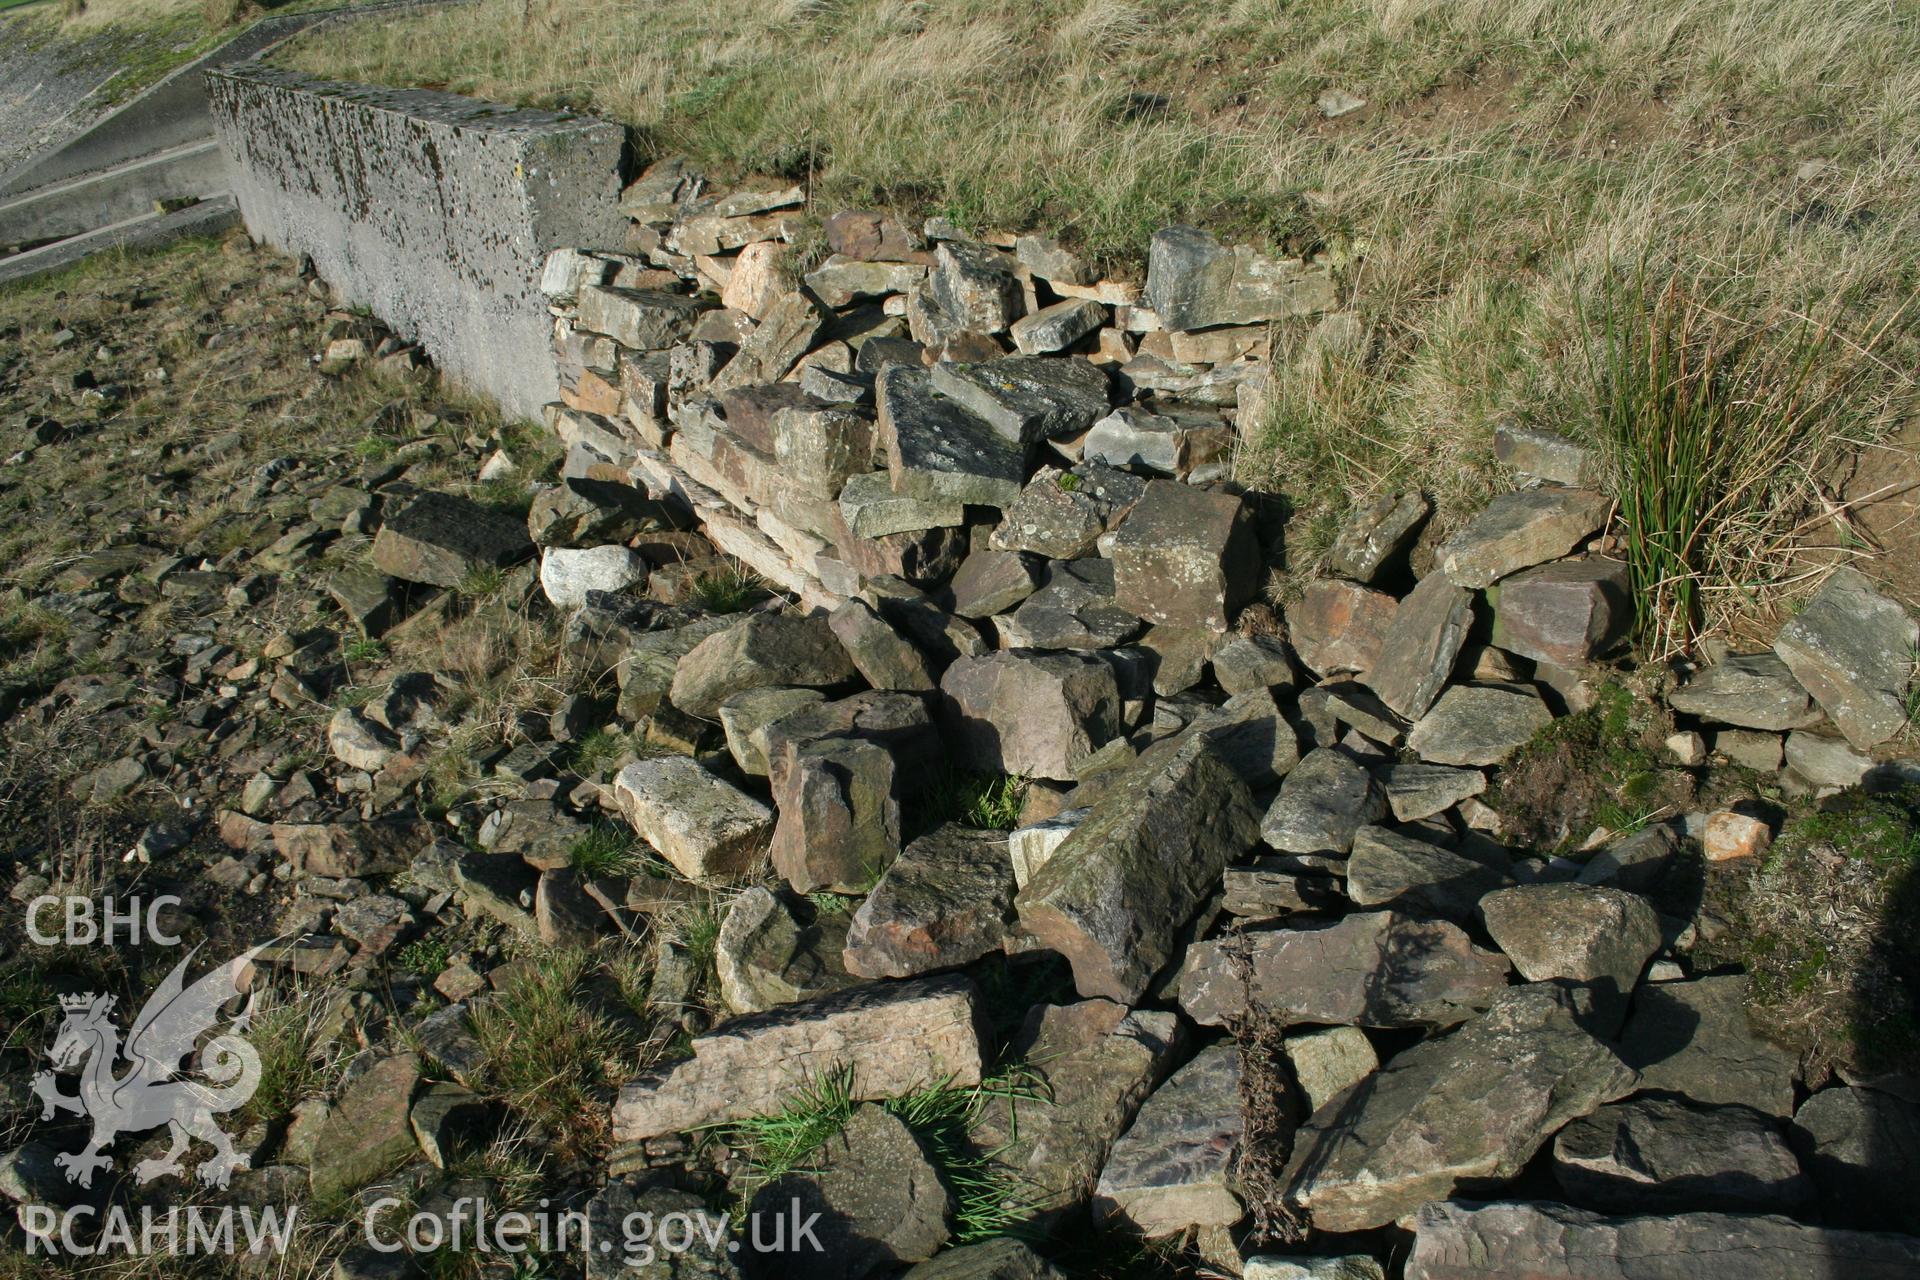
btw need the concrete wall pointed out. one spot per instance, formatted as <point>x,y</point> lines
<point>433,211</point>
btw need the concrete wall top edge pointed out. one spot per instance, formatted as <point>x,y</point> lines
<point>422,104</point>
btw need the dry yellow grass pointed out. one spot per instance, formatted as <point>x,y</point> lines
<point>1509,156</point>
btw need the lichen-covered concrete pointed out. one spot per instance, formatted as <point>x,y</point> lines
<point>431,210</point>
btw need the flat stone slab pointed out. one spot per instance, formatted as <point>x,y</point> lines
<point>1478,724</point>
<point>1860,1146</point>
<point>1567,613</point>
<point>895,1037</point>
<point>758,651</point>
<point>879,1198</point>
<point>945,901</point>
<point>705,826</point>
<point>1519,530</point>
<point>1174,1169</point>
<point>1522,1241</point>
<point>1415,790</point>
<point>1324,799</point>
<point>1186,557</point>
<point>1375,533</point>
<point>1420,645</point>
<point>939,450</point>
<point>1693,1039</point>
<point>1099,1061</point>
<point>1027,398</point>
<point>440,539</point>
<point>1457,1116</point>
<point>1752,690</point>
<point>872,509</point>
<point>1853,650</point>
<point>1368,969</point>
<point>1387,867</point>
<point>1195,282</point>
<point>1653,1155</point>
<point>1115,895</point>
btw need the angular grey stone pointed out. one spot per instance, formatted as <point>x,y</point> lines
<point>1027,398</point>
<point>841,281</point>
<point>646,670</point>
<point>1752,690</point>
<point>1353,705</point>
<point>1479,724</point>
<point>1057,326</point>
<point>838,800</point>
<point>1074,608</point>
<point>1244,663</point>
<point>1115,895</point>
<point>1826,762</point>
<point>1640,863</point>
<point>1421,645</point>
<point>1061,514</point>
<point>1581,933</point>
<point>1186,557</point>
<point>1030,713</point>
<point>871,509</point>
<point>990,582</point>
<point>945,901</point>
<point>1860,1146</point>
<point>820,449</point>
<point>775,949</point>
<point>1566,613</point>
<point>1662,1154</point>
<point>1194,282</point>
<point>1099,1061</point>
<point>1415,791</point>
<point>746,713</point>
<point>878,1198</point>
<point>1167,439</point>
<point>705,826</point>
<point>639,319</point>
<point>758,651</point>
<point>1522,529</point>
<point>938,450</point>
<point>1853,650</point>
<point>1455,1116</point>
<point>1328,1061</point>
<point>1370,969</point>
<point>1250,736</point>
<point>974,287</point>
<point>1544,455</point>
<point>1374,533</point>
<point>1175,1167</point>
<point>783,335</point>
<point>1387,867</point>
<point>1323,800</point>
<point>439,539</point>
<point>896,1037</point>
<point>1339,626</point>
<point>1693,1038</point>
<point>367,1132</point>
<point>445,1117</point>
<point>1524,1241</point>
<point>884,657</point>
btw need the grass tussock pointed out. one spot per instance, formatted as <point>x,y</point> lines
<point>1828,928</point>
<point>989,1200</point>
<point>556,1047</point>
<point>1506,157</point>
<point>1716,427</point>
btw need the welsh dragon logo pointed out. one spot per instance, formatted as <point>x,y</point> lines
<point>146,1093</point>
